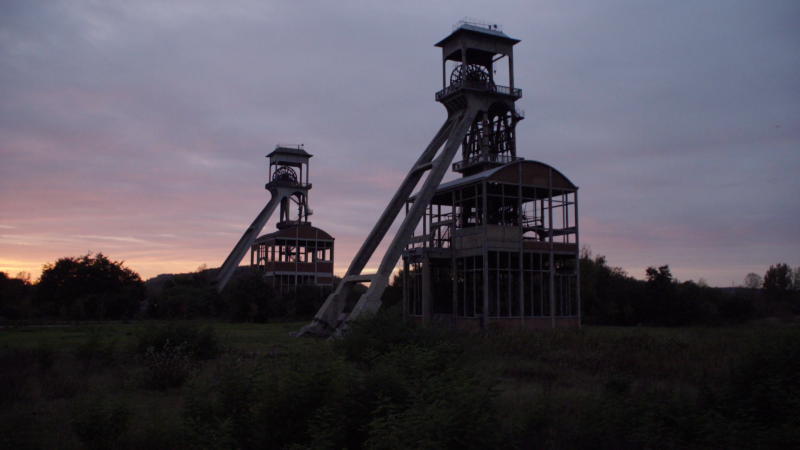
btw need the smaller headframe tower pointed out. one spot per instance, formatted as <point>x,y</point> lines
<point>297,253</point>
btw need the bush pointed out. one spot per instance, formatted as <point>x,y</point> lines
<point>186,297</point>
<point>375,334</point>
<point>304,301</point>
<point>250,299</point>
<point>426,399</point>
<point>168,367</point>
<point>379,387</point>
<point>219,415</point>
<point>201,342</point>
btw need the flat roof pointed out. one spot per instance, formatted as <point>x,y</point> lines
<point>290,151</point>
<point>292,233</point>
<point>470,28</point>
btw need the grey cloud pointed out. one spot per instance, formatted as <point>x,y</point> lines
<point>679,120</point>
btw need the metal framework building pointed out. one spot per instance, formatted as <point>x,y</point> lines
<point>293,256</point>
<point>498,246</point>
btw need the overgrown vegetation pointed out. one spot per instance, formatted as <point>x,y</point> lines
<point>389,385</point>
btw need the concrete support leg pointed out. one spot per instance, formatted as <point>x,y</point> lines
<point>247,239</point>
<point>371,300</point>
<point>452,131</point>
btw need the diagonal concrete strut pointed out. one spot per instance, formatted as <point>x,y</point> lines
<point>452,131</point>
<point>249,236</point>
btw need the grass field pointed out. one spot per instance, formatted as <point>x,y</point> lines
<point>65,337</point>
<point>93,386</point>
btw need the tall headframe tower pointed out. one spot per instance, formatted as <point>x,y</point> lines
<point>289,185</point>
<point>481,121</point>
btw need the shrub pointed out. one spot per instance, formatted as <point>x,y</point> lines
<point>169,367</point>
<point>416,391</point>
<point>250,299</point>
<point>187,296</point>
<point>219,415</point>
<point>201,342</point>
<point>374,334</point>
<point>426,399</point>
<point>304,301</point>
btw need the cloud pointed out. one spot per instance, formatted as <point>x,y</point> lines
<point>141,127</point>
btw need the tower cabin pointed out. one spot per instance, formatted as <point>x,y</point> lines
<point>499,246</point>
<point>298,253</point>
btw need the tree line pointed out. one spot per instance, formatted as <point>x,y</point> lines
<point>94,287</point>
<point>609,296</point>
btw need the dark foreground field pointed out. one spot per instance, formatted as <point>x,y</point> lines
<point>386,386</point>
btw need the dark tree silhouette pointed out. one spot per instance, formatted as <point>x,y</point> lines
<point>753,281</point>
<point>15,296</point>
<point>90,286</point>
<point>251,299</point>
<point>608,295</point>
<point>661,277</point>
<point>778,281</point>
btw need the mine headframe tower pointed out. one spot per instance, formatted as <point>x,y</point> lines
<point>481,121</point>
<point>289,185</point>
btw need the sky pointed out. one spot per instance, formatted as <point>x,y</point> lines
<point>139,129</point>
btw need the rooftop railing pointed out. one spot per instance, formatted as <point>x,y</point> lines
<point>479,159</point>
<point>478,86</point>
<point>286,183</point>
<point>293,146</point>
<point>477,23</point>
